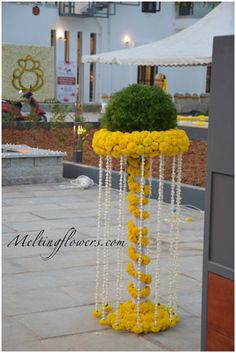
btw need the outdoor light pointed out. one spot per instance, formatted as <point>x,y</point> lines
<point>80,130</point>
<point>126,39</point>
<point>60,34</point>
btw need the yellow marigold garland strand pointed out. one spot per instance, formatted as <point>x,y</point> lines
<point>96,312</point>
<point>158,238</point>
<point>145,278</point>
<point>133,254</point>
<point>123,230</point>
<point>177,220</point>
<point>171,237</point>
<point>106,236</point>
<point>108,227</point>
<point>140,248</point>
<point>119,238</point>
<point>149,205</point>
<point>144,292</point>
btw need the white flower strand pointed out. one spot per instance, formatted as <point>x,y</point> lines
<point>99,231</point>
<point>105,237</point>
<point>140,238</point>
<point>149,205</point>
<point>177,231</point>
<point>118,265</point>
<point>123,228</point>
<point>108,228</point>
<point>158,238</point>
<point>171,235</point>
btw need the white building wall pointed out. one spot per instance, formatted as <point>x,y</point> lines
<point>19,26</point>
<point>145,28</point>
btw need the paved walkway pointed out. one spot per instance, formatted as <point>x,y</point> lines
<point>47,304</point>
<point>88,117</point>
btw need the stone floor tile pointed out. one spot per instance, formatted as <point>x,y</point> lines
<point>37,300</point>
<point>27,346</point>
<point>47,278</point>
<point>19,217</point>
<point>185,336</point>
<point>105,340</point>
<point>15,332</point>
<point>61,321</point>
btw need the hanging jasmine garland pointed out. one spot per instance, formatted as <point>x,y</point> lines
<point>138,148</point>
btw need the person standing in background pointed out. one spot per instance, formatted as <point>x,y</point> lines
<point>160,81</point>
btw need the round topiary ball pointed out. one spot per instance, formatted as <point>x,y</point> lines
<point>139,107</point>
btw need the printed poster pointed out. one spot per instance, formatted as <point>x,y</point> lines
<point>66,82</point>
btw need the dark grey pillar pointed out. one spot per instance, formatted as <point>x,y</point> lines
<point>218,265</point>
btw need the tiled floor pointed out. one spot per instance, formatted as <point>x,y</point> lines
<point>47,304</point>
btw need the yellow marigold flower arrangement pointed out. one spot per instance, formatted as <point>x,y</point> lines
<point>135,315</point>
<point>98,313</point>
<point>169,143</point>
<point>144,292</point>
<point>136,212</point>
<point>145,278</point>
<point>135,239</point>
<point>135,186</point>
<point>134,200</point>
<point>127,318</point>
<point>145,259</point>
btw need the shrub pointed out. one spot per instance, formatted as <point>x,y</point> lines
<point>139,107</point>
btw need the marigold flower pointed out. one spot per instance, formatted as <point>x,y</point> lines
<point>96,313</point>
<point>137,329</point>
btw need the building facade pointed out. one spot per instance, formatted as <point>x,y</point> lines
<point>75,29</point>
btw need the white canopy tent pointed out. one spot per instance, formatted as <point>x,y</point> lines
<point>189,47</point>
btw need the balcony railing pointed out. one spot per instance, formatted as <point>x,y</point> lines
<point>87,9</point>
<point>193,9</point>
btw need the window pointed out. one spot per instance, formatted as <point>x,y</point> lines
<point>66,47</point>
<point>151,7</point>
<point>129,3</point>
<point>66,8</point>
<point>185,8</point>
<point>53,45</point>
<point>92,67</point>
<point>53,37</point>
<point>79,54</point>
<point>146,74</point>
<point>208,79</point>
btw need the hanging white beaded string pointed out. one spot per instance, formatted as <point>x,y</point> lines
<point>118,265</point>
<point>123,228</point>
<point>99,231</point>
<point>158,236</point>
<point>108,229</point>
<point>105,238</point>
<point>177,231</point>
<point>149,205</point>
<point>171,237</point>
<point>140,239</point>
